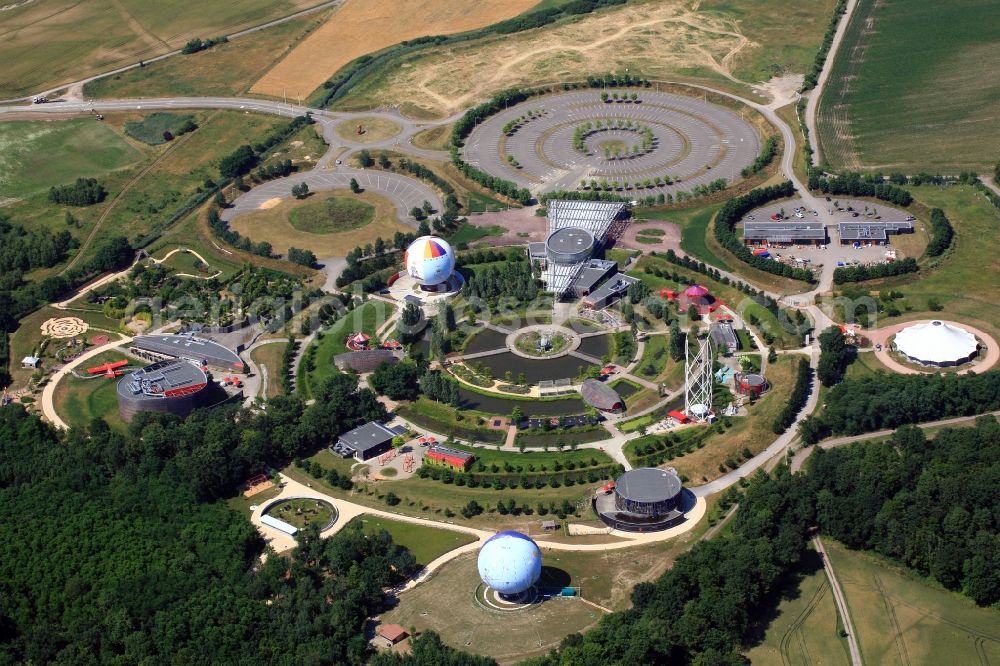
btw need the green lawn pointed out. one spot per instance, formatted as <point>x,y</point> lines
<point>970,262</point>
<point>694,224</point>
<point>153,128</point>
<point>891,106</point>
<point>34,156</point>
<point>303,512</point>
<point>654,357</point>
<point>368,318</point>
<point>331,215</point>
<point>468,233</point>
<point>270,355</point>
<point>79,401</point>
<point>426,543</point>
<point>535,459</point>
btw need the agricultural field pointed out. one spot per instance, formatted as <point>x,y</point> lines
<point>913,88</point>
<point>35,155</point>
<point>226,69</point>
<point>359,27</point>
<point>803,631</point>
<point>902,619</point>
<point>425,543</point>
<point>304,224</point>
<point>100,35</point>
<point>719,44</point>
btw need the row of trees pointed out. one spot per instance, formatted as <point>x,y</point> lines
<point>246,157</point>
<point>858,185</point>
<point>734,210</point>
<point>860,273</point>
<point>800,394</point>
<point>766,156</point>
<point>941,233</point>
<point>834,356</point>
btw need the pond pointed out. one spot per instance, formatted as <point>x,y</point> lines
<point>503,406</point>
<point>486,340</point>
<point>534,369</point>
<point>596,346</point>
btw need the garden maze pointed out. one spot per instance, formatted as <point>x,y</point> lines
<point>658,143</point>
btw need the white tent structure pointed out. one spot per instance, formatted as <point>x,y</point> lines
<point>936,343</point>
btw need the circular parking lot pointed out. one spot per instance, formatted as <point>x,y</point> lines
<point>659,143</point>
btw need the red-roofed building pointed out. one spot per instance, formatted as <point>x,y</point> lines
<point>681,417</point>
<point>390,634</point>
<point>700,298</point>
<point>448,457</point>
<point>358,341</point>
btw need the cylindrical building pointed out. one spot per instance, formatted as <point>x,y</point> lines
<point>647,491</point>
<point>170,387</point>
<point>750,383</point>
<point>569,245</point>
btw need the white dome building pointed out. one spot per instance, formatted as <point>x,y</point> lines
<point>510,563</point>
<point>937,343</point>
<point>429,260</point>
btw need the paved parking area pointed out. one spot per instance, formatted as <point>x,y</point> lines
<point>405,193</point>
<point>833,252</point>
<point>694,141</point>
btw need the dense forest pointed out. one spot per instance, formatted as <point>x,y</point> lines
<point>930,504</point>
<point>888,401</point>
<point>117,550</point>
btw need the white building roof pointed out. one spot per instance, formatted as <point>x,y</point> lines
<point>936,342</point>
<point>594,216</point>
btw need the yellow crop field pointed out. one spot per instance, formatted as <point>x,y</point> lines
<point>365,26</point>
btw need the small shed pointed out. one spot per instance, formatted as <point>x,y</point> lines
<point>549,525</point>
<point>390,634</point>
<point>31,362</point>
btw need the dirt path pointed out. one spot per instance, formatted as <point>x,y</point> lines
<point>139,29</point>
<point>48,393</point>
<point>812,105</point>
<point>842,608</point>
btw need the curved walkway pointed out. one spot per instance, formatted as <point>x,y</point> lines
<point>48,392</point>
<point>881,336</point>
<point>346,511</point>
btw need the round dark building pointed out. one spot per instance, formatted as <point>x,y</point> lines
<point>647,491</point>
<point>569,245</point>
<point>170,387</point>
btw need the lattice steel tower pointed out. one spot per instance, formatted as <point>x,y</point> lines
<point>698,379</point>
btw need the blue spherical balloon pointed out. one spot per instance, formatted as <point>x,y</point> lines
<point>510,562</point>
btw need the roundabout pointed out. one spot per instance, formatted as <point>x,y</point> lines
<point>659,143</point>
